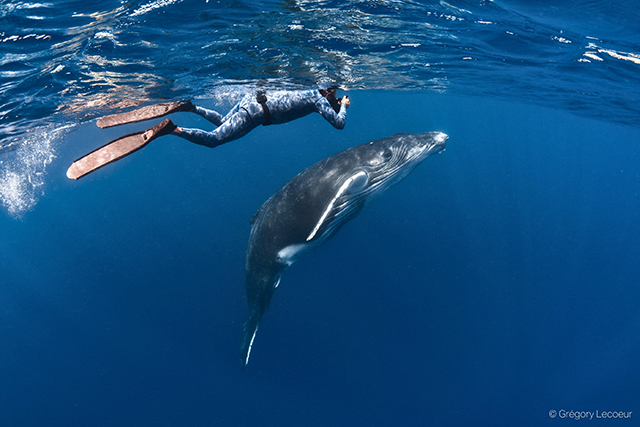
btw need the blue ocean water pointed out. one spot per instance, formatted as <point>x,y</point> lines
<point>496,285</point>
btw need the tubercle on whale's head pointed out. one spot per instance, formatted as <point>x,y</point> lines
<point>441,139</point>
<point>432,142</point>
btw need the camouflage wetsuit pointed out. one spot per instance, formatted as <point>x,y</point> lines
<point>283,106</point>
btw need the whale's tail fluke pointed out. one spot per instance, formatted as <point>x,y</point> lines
<point>249,334</point>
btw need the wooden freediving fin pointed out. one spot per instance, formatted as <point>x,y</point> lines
<point>117,149</point>
<point>144,113</point>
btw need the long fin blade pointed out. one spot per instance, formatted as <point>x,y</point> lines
<point>145,113</point>
<point>117,149</point>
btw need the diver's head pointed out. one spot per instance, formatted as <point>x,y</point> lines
<point>330,94</point>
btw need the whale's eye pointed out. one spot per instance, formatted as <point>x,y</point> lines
<point>386,154</point>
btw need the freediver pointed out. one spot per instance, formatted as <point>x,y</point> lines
<point>253,110</point>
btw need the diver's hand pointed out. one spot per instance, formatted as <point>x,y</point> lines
<point>345,100</point>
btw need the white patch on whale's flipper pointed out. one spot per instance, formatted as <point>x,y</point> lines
<point>253,337</point>
<point>249,335</point>
<point>353,184</point>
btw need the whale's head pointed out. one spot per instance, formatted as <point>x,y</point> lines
<point>388,161</point>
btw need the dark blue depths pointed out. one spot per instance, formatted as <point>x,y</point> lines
<point>496,283</point>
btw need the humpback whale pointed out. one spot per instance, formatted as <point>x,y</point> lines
<point>310,208</point>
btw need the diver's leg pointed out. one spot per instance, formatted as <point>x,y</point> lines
<point>231,129</point>
<point>240,107</point>
<point>211,115</point>
<point>159,110</point>
<point>217,118</point>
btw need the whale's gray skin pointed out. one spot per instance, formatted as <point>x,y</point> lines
<point>310,208</point>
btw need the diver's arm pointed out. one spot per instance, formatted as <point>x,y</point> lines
<point>337,120</point>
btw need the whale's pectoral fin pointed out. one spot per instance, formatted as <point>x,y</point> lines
<point>249,334</point>
<point>344,205</point>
